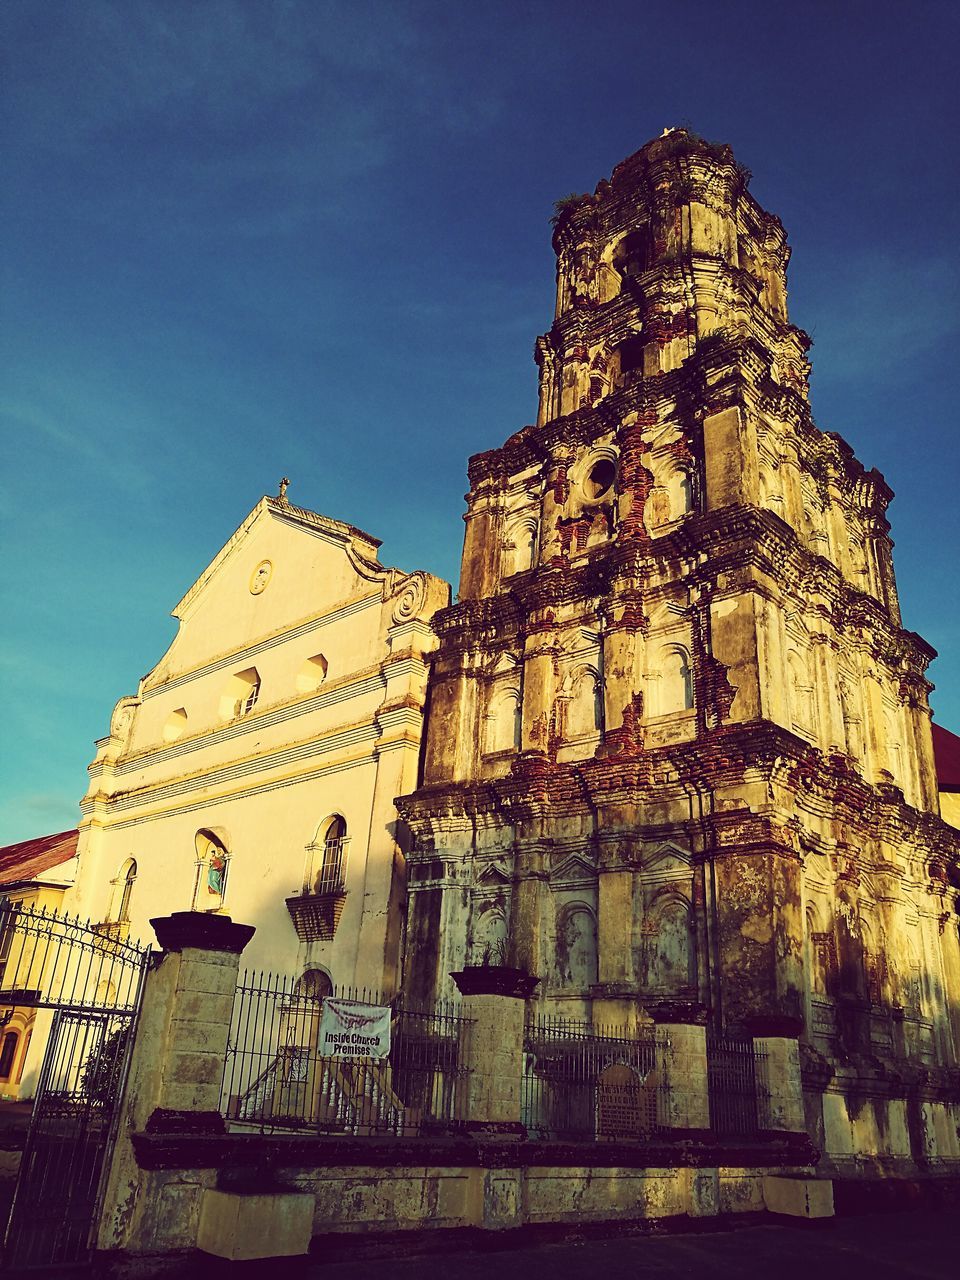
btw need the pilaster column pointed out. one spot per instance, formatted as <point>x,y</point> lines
<point>556,492</point>
<point>539,680</point>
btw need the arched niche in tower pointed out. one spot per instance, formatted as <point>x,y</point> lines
<point>626,360</point>
<point>631,254</point>
<point>803,710</point>
<point>502,731</point>
<point>520,546</point>
<point>669,951</point>
<point>583,714</point>
<point>489,944</point>
<point>670,681</point>
<point>576,943</point>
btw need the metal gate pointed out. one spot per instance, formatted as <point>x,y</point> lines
<point>82,987</point>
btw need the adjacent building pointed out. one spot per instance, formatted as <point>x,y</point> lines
<point>946,753</point>
<point>34,876</point>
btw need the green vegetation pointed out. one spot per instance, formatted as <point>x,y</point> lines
<point>566,202</point>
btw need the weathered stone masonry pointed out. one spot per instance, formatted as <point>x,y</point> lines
<point>679,751</point>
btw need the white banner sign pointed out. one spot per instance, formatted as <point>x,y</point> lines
<point>349,1029</point>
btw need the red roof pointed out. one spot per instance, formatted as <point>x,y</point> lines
<point>946,756</point>
<point>29,859</point>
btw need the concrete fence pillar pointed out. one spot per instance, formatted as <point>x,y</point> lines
<point>177,1062</point>
<point>778,1073</point>
<point>494,1003</point>
<point>682,1071</point>
<point>201,953</point>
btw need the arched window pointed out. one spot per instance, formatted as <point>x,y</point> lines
<point>627,360</point>
<point>600,479</point>
<point>8,1053</point>
<point>632,255</point>
<point>240,694</point>
<point>503,722</point>
<point>314,983</point>
<point>122,890</point>
<point>175,725</point>
<point>327,860</point>
<point>312,674</point>
<point>213,865</point>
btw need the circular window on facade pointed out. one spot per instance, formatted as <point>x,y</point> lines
<point>600,478</point>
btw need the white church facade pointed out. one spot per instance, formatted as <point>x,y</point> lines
<point>254,771</point>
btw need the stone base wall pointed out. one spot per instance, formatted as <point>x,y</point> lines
<point>363,1200</point>
<point>861,1132</point>
<point>384,1189</point>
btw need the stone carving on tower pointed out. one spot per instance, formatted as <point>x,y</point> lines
<point>678,754</point>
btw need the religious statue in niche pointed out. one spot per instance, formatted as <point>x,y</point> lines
<point>213,863</point>
<point>217,872</point>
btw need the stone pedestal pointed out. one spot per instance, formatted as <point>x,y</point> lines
<point>682,1075</point>
<point>175,1073</point>
<point>242,1227</point>
<point>778,1075</point>
<point>798,1197</point>
<point>201,958</point>
<point>494,1002</point>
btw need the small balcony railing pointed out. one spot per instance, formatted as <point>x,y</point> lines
<point>316,910</point>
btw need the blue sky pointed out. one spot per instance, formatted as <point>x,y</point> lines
<point>250,239</point>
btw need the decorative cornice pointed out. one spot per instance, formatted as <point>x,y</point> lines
<point>495,980</point>
<point>201,930</point>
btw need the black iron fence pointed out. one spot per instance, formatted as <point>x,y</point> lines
<point>278,1077</point>
<point>578,1081</point>
<point>590,1083</point>
<point>54,961</point>
<point>74,995</point>
<point>736,1080</point>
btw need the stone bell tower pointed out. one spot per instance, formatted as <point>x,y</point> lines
<point>678,750</point>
